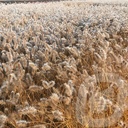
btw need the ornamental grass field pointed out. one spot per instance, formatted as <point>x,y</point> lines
<point>64,65</point>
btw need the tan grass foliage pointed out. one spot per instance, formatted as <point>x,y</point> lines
<point>49,50</point>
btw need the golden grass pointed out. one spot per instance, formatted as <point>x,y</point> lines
<point>48,51</point>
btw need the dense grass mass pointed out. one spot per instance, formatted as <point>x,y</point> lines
<point>106,1</point>
<point>55,56</point>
